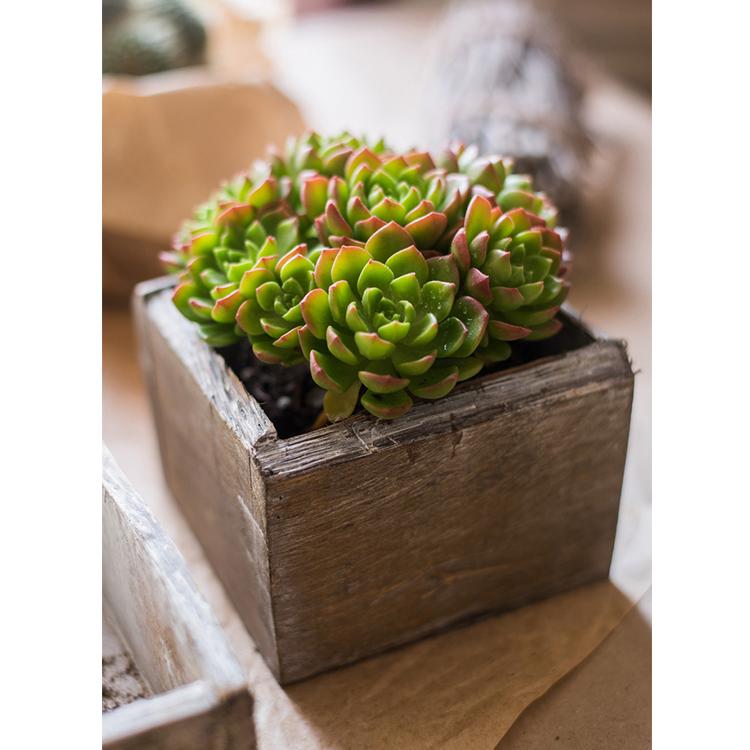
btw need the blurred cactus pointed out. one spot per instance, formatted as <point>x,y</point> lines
<point>150,36</point>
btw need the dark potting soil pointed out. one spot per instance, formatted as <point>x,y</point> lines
<point>293,402</point>
<point>288,395</point>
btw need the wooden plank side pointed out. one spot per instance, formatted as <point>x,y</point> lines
<point>187,718</point>
<point>407,539</point>
<point>207,430</point>
<point>168,626</point>
<point>481,399</point>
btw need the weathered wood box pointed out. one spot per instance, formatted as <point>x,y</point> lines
<point>169,679</point>
<point>339,543</point>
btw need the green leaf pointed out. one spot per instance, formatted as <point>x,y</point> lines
<point>181,298</point>
<point>382,383</point>
<point>235,271</point>
<point>510,199</point>
<point>407,287</point>
<point>356,211</point>
<point>361,156</point>
<point>354,319</point>
<point>497,267</point>
<point>340,296</point>
<point>339,406</point>
<point>409,362</point>
<point>329,373</point>
<point>248,317</point>
<point>438,297</point>
<point>372,346</point>
<point>478,248</point>
<point>374,275</point>
<point>324,266</point>
<point>267,293</point>
<point>371,299</point>
<point>264,193</point>
<point>394,331</point>
<point>423,331</point>
<point>409,260</point>
<point>335,222</point>
<point>426,231</point>
<point>202,307</point>
<point>274,326</point>
<point>363,230</point>
<point>252,279</point>
<point>225,309</point>
<point>313,195</point>
<point>444,268</point>
<point>502,331</point>
<point>506,298</point>
<point>389,210</point>
<point>450,336</point>
<point>530,292</point>
<point>348,264</point>
<point>288,340</point>
<point>316,313</point>
<point>342,346</point>
<point>218,335</point>
<point>298,268</point>
<point>388,240</point>
<point>478,217</point>
<point>473,315</point>
<point>544,331</point>
<point>435,383</point>
<point>467,367</point>
<point>477,284</point>
<point>537,267</point>
<point>531,318</point>
<point>460,251</point>
<point>494,351</point>
<point>387,405</point>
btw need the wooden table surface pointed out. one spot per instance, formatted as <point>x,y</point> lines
<point>605,701</point>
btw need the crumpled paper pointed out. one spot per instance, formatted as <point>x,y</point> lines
<point>168,142</point>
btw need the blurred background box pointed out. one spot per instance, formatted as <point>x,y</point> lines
<point>170,138</point>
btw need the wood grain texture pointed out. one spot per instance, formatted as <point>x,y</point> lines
<point>176,643</point>
<point>376,533</point>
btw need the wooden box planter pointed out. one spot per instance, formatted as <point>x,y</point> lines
<point>170,646</point>
<point>339,543</point>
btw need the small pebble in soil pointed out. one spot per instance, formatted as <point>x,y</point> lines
<point>288,395</point>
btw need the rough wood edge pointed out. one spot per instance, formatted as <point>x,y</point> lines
<point>169,721</point>
<point>222,680</point>
<point>150,335</point>
<point>221,386</point>
<point>188,609</point>
<point>471,402</point>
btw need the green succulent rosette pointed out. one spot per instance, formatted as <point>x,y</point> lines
<point>377,188</point>
<point>268,304</point>
<point>512,263</point>
<point>224,241</point>
<point>379,329</point>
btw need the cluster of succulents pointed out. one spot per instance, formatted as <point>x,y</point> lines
<point>394,275</point>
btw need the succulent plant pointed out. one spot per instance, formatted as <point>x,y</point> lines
<point>377,320</point>
<point>213,253</point>
<point>512,263</point>
<point>393,275</point>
